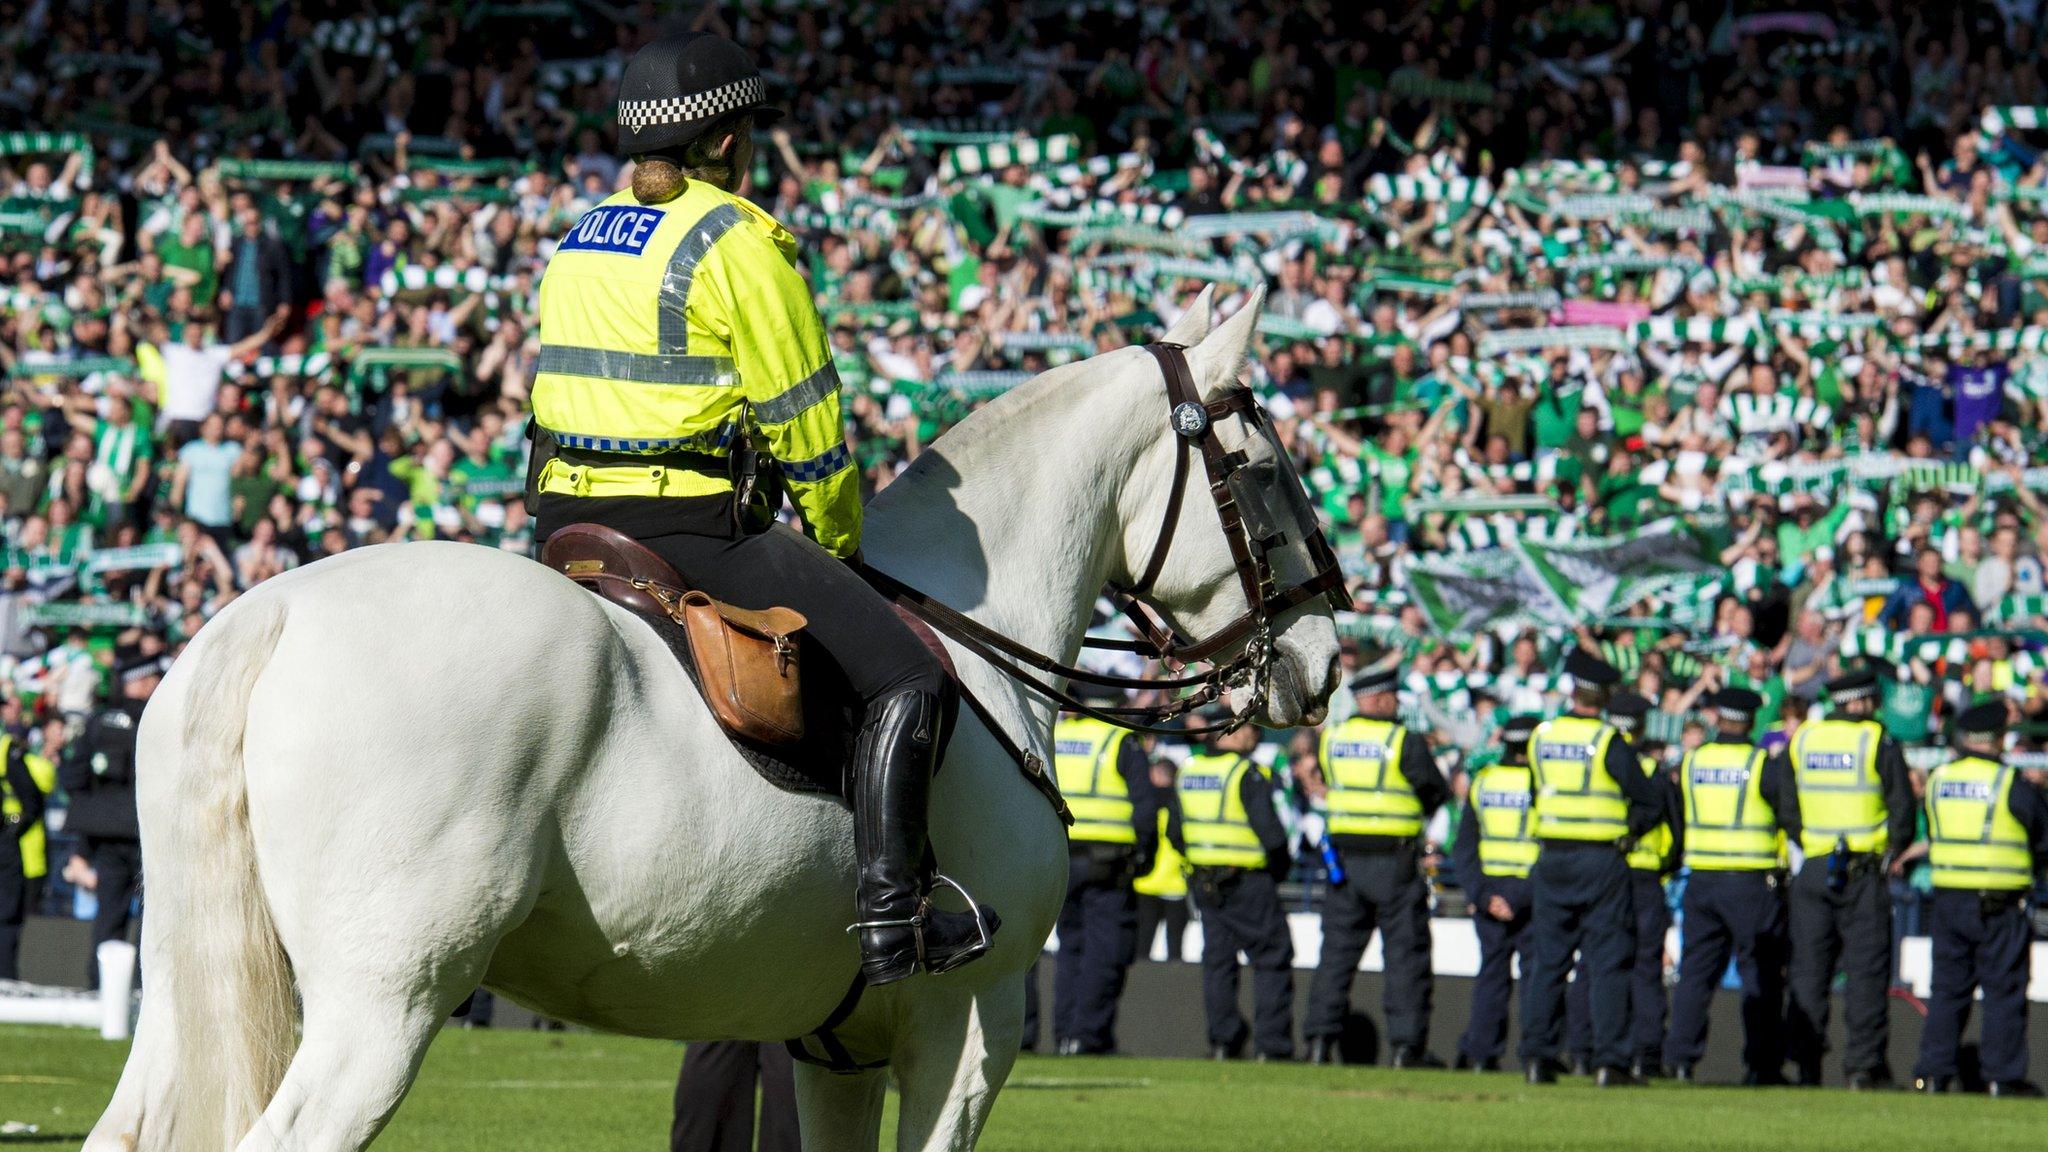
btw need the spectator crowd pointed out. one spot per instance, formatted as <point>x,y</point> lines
<point>1712,337</point>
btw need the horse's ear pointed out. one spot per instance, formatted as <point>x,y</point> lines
<point>1193,325</point>
<point>1217,358</point>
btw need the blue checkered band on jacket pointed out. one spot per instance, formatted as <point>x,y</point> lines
<point>818,467</point>
<point>717,440</point>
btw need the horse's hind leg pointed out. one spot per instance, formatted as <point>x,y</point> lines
<point>360,1051</point>
<point>840,1112</point>
<point>953,1060</point>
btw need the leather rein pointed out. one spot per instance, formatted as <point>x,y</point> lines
<point>1194,424</point>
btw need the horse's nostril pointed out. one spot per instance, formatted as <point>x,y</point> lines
<point>1334,676</point>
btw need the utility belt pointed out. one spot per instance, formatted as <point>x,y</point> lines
<point>1214,883</point>
<point>1106,863</point>
<point>749,476</point>
<point>1554,843</point>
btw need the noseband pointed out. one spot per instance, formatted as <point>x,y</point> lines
<point>1251,531</point>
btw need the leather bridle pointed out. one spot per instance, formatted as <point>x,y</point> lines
<point>1251,531</point>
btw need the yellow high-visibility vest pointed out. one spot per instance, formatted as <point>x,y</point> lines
<point>668,332</point>
<point>1834,763</point>
<point>1728,825</point>
<point>1168,879</point>
<point>1501,802</point>
<point>35,857</point>
<point>1212,816</point>
<point>1368,795</point>
<point>1652,848</point>
<point>1974,842</point>
<point>1576,798</point>
<point>1084,756</point>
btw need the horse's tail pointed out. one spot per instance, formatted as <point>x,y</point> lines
<point>217,956</point>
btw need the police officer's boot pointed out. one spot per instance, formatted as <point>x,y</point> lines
<point>900,930</point>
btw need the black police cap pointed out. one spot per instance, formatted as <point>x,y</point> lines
<point>1987,719</point>
<point>1736,703</point>
<point>1626,711</point>
<point>679,86</point>
<point>1385,678</point>
<point>1855,684</point>
<point>1586,668</point>
<point>1515,736</point>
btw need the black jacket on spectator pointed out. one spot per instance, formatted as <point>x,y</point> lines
<point>99,774</point>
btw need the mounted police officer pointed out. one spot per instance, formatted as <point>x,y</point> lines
<point>1381,787</point>
<point>1493,853</point>
<point>1652,857</point>
<point>98,773</point>
<point>1987,829</point>
<point>1854,814</point>
<point>1734,898</point>
<point>684,383</point>
<point>1237,847</point>
<point>21,845</point>
<point>1591,797</point>
<point>1106,777</point>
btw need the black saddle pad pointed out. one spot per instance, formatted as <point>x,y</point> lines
<point>817,764</point>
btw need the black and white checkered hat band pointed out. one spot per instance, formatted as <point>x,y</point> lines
<point>636,115</point>
<point>1846,695</point>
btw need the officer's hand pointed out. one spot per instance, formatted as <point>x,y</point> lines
<point>1497,906</point>
<point>1897,867</point>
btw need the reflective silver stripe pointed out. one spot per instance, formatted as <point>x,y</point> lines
<point>682,269</point>
<point>638,367</point>
<point>798,398</point>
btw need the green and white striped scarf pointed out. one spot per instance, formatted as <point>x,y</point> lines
<point>1621,263</point>
<point>1530,339</point>
<point>1906,204</point>
<point>979,159</point>
<point>1998,118</point>
<point>1741,330</point>
<point>1383,189</point>
<point>1601,205</point>
<point>59,143</point>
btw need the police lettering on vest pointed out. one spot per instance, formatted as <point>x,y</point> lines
<point>1502,803</point>
<point>1576,798</point>
<point>1085,754</point>
<point>1974,841</point>
<point>1368,795</point>
<point>1212,815</point>
<point>1728,825</point>
<point>1834,763</point>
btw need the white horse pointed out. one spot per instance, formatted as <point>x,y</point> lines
<point>386,778</point>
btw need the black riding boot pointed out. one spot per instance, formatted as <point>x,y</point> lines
<point>900,930</point>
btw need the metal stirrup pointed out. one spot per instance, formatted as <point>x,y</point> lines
<point>917,922</point>
<point>973,909</point>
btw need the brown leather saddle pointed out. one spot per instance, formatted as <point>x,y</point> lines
<point>791,715</point>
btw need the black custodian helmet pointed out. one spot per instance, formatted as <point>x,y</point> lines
<point>677,86</point>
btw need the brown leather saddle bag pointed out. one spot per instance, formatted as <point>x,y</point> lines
<point>748,662</point>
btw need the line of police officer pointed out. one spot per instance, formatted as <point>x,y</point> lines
<point>1563,851</point>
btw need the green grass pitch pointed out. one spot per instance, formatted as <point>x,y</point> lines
<point>542,1092</point>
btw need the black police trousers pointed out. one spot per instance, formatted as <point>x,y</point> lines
<point>1500,942</point>
<point>715,1098</point>
<point>1383,890</point>
<point>1169,912</point>
<point>13,906</point>
<point>1978,942</point>
<point>1584,901</point>
<point>1098,929</point>
<point>1646,1002</point>
<point>1240,911</point>
<point>1739,915</point>
<point>118,864</point>
<point>1848,931</point>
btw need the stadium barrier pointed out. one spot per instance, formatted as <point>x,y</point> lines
<point>111,1009</point>
<point>1454,951</point>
